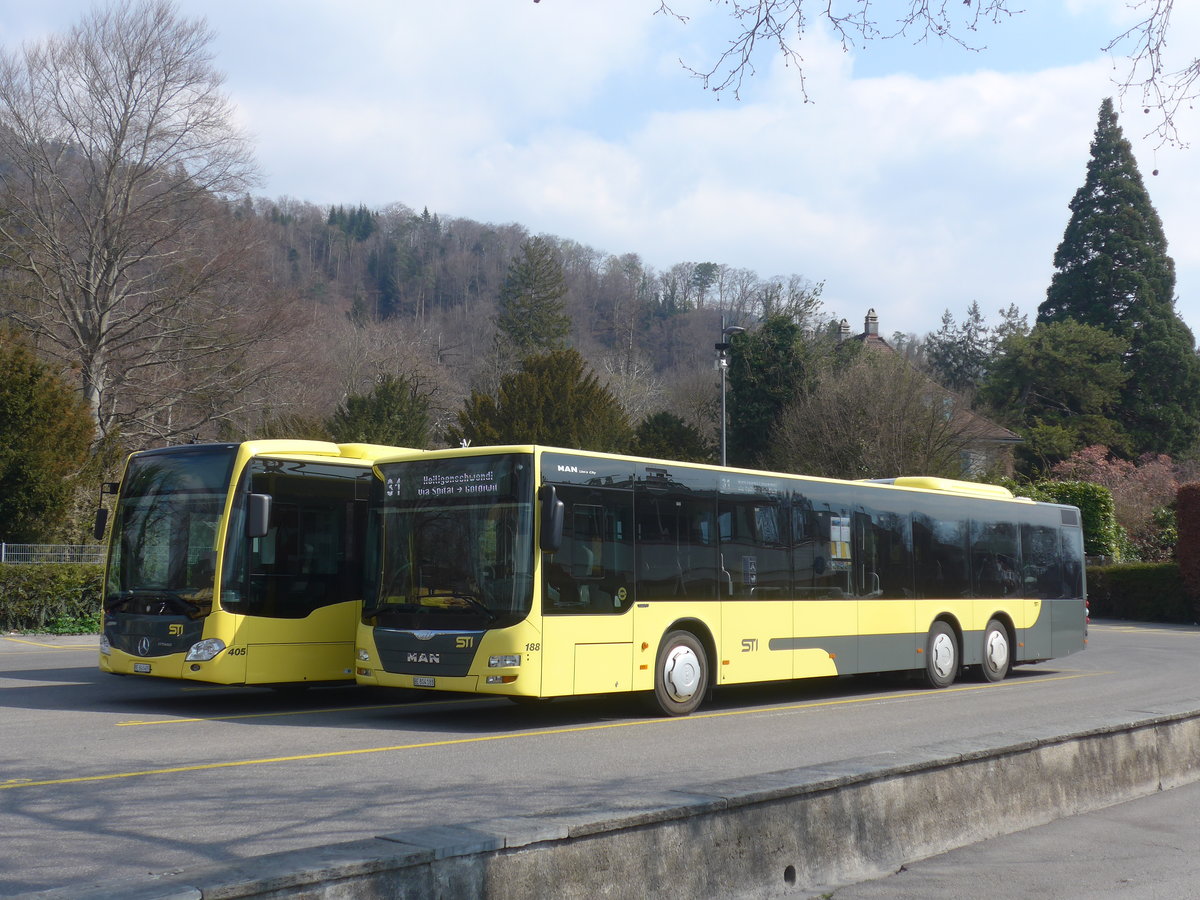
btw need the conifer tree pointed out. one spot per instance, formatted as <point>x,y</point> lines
<point>1112,271</point>
<point>769,368</point>
<point>395,413</point>
<point>45,434</point>
<point>553,399</point>
<point>532,316</point>
<point>665,435</point>
<point>959,354</point>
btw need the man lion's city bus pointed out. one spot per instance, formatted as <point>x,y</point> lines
<point>534,572</point>
<point>238,563</point>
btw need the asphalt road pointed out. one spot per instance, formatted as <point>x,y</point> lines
<point>104,777</point>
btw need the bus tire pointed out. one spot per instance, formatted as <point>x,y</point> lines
<point>997,652</point>
<point>941,656</point>
<point>680,674</point>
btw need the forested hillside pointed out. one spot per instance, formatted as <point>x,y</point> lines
<point>399,292</point>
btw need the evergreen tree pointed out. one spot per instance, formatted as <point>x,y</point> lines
<point>532,316</point>
<point>665,435</point>
<point>1112,271</point>
<point>45,435</point>
<point>959,354</point>
<point>1058,386</point>
<point>768,369</point>
<point>395,413</point>
<point>553,399</point>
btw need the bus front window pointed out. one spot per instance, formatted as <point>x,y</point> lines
<point>457,543</point>
<point>162,554</point>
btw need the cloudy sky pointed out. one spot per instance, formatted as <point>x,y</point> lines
<point>915,179</point>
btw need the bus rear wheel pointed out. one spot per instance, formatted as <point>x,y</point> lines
<point>941,656</point>
<point>680,674</point>
<point>997,652</point>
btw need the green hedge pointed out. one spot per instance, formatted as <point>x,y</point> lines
<point>56,598</point>
<point>1145,592</point>
<point>1102,536</point>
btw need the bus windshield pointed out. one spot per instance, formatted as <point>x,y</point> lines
<point>456,543</point>
<point>165,531</point>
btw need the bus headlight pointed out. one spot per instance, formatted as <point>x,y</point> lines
<point>504,662</point>
<point>105,646</point>
<point>363,655</point>
<point>205,650</point>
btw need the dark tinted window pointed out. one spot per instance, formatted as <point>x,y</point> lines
<point>753,534</point>
<point>592,571</point>
<point>940,556</point>
<point>675,518</point>
<point>883,559</point>
<point>1042,570</point>
<point>820,546</point>
<point>312,554</point>
<point>995,557</point>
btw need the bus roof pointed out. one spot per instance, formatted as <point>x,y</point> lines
<point>974,489</point>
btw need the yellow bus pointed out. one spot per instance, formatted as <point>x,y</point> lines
<point>238,563</point>
<point>537,572</point>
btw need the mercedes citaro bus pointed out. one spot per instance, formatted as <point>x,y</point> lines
<point>239,563</point>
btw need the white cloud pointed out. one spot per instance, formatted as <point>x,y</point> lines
<point>911,193</point>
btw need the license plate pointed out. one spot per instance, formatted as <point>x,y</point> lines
<point>142,668</point>
<point>424,681</point>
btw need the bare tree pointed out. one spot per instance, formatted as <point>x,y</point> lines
<point>876,417</point>
<point>780,25</point>
<point>1161,89</point>
<point>118,153</point>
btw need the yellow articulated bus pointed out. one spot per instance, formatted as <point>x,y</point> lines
<point>539,572</point>
<point>238,563</point>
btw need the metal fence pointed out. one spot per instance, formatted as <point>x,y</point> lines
<point>52,553</point>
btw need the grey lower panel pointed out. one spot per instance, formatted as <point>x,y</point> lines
<point>865,653</point>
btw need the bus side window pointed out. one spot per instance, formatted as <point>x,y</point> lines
<point>592,571</point>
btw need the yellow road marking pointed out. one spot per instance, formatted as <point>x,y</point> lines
<point>480,739</point>
<point>92,647</point>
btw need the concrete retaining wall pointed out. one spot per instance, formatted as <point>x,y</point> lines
<point>786,833</point>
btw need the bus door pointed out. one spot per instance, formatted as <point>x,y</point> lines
<point>587,592</point>
<point>754,588</point>
<point>825,611</point>
<point>298,587</point>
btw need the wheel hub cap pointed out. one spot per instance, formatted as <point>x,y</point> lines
<point>942,653</point>
<point>996,651</point>
<point>681,673</point>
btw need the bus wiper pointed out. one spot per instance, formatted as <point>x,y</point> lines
<point>470,599</point>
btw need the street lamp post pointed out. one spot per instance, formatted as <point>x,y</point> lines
<point>722,348</point>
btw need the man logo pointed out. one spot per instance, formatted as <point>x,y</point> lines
<point>143,646</point>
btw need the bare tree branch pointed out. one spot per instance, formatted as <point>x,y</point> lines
<point>119,147</point>
<point>777,27</point>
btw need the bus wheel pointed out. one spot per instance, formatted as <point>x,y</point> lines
<point>941,656</point>
<point>997,657</point>
<point>680,674</point>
